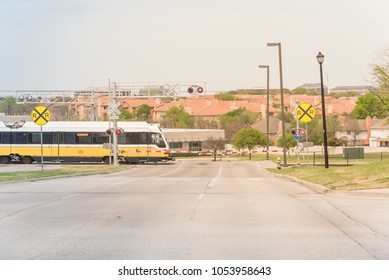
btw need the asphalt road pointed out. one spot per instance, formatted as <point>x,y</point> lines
<point>189,209</point>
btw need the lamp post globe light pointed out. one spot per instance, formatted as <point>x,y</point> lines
<point>320,60</point>
<point>282,99</point>
<point>267,110</point>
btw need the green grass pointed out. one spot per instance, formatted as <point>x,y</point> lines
<point>62,171</point>
<point>371,173</point>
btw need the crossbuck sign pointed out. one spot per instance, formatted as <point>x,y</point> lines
<point>305,112</point>
<point>113,109</point>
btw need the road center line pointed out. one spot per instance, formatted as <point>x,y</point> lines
<point>211,183</point>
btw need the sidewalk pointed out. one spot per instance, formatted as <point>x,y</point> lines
<point>267,164</point>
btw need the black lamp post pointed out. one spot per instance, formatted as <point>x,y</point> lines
<point>320,59</point>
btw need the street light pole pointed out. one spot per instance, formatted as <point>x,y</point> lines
<point>282,100</point>
<point>320,59</point>
<point>267,110</point>
<point>115,127</point>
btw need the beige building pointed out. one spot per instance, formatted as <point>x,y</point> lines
<point>190,140</point>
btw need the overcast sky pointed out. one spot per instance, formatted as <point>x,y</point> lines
<point>73,44</point>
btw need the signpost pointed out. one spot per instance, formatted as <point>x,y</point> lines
<point>40,115</point>
<point>305,113</point>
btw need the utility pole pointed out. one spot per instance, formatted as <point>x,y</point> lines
<point>115,126</point>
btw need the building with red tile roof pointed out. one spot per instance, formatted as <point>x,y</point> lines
<point>209,107</point>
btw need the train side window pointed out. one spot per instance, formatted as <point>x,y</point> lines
<point>100,138</point>
<point>19,138</point>
<point>5,138</point>
<point>132,138</point>
<point>143,138</point>
<point>83,138</point>
<point>69,138</point>
<point>47,138</point>
<point>156,139</point>
<point>34,138</point>
<point>122,139</point>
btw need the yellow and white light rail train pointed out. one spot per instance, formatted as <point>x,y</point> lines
<point>82,142</point>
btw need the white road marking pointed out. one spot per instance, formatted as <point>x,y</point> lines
<point>211,183</point>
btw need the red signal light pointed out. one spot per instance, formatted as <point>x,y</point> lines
<point>119,131</point>
<point>302,132</point>
<point>200,90</point>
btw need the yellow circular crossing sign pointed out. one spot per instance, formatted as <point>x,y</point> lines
<point>40,115</point>
<point>305,112</point>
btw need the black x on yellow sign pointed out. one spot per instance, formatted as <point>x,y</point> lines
<point>305,112</point>
<point>40,115</point>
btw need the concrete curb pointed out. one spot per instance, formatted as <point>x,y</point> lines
<point>312,186</point>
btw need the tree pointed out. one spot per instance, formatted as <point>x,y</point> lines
<point>227,96</point>
<point>237,119</point>
<point>248,138</point>
<point>333,125</point>
<point>9,106</point>
<point>177,117</point>
<point>143,112</point>
<point>380,72</point>
<point>303,91</point>
<point>125,115</point>
<point>289,117</point>
<point>371,105</point>
<point>380,75</point>
<point>289,141</point>
<point>202,123</point>
<point>315,131</point>
<point>214,145</point>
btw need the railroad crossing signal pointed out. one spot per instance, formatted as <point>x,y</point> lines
<point>40,115</point>
<point>298,131</point>
<point>305,112</point>
<point>198,89</point>
<point>113,110</point>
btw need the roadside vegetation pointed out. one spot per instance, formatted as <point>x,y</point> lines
<point>369,173</point>
<point>64,170</point>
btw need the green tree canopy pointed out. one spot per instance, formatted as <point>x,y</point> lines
<point>226,96</point>
<point>236,120</point>
<point>143,112</point>
<point>380,75</point>
<point>371,105</point>
<point>125,115</point>
<point>177,117</point>
<point>248,138</point>
<point>289,141</point>
<point>380,72</point>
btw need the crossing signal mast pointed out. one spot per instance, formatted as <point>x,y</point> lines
<point>118,131</point>
<point>298,132</point>
<point>195,88</point>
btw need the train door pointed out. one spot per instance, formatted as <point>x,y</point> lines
<point>144,146</point>
<point>58,139</point>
